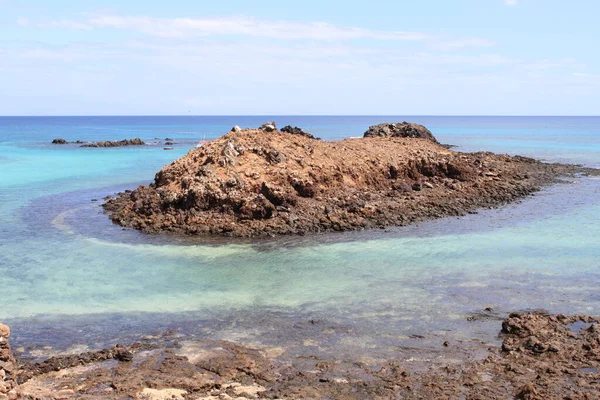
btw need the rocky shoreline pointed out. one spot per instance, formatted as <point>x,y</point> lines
<point>265,182</point>
<point>542,356</point>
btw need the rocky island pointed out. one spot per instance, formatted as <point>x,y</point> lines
<point>265,182</point>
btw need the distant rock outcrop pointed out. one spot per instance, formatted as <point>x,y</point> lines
<point>253,182</point>
<point>268,127</point>
<point>403,129</point>
<point>109,143</point>
<point>294,130</point>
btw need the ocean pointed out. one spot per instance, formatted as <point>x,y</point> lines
<point>72,280</point>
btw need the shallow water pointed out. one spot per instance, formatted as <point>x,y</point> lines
<point>69,277</point>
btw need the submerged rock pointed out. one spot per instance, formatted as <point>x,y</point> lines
<point>551,362</point>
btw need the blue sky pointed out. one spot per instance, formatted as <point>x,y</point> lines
<point>444,57</point>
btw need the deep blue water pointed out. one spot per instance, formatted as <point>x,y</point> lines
<point>68,276</point>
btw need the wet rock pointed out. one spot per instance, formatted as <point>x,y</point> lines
<point>122,354</point>
<point>59,141</point>
<point>224,370</point>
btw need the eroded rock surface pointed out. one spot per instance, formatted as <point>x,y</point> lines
<point>542,357</point>
<point>8,367</point>
<point>255,182</point>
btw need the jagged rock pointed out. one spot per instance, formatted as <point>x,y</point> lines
<point>236,129</point>
<point>59,141</point>
<point>404,129</point>
<point>296,131</point>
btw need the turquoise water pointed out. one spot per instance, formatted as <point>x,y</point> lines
<point>68,276</point>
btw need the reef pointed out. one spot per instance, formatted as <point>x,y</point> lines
<point>541,357</point>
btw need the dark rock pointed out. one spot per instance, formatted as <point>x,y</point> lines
<point>122,354</point>
<point>296,131</point>
<point>168,143</point>
<point>404,129</point>
<point>108,143</point>
<point>59,141</point>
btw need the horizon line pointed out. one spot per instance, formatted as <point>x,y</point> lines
<point>294,115</point>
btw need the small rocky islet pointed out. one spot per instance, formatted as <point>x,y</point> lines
<point>267,182</point>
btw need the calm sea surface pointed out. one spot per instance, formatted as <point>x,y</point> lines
<point>68,277</point>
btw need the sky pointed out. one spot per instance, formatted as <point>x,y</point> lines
<point>193,57</point>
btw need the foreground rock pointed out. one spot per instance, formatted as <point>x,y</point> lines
<point>404,129</point>
<point>8,367</point>
<point>542,357</point>
<point>265,182</point>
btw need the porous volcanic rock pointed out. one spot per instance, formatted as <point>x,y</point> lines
<point>294,130</point>
<point>401,129</point>
<point>251,183</point>
<point>542,357</point>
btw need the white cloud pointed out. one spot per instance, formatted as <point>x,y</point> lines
<point>184,28</point>
<point>511,2</point>
<point>463,42</point>
<point>65,23</point>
